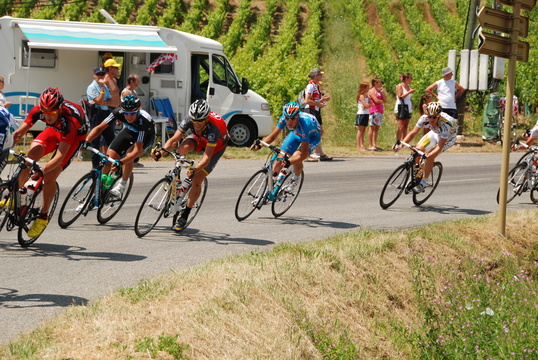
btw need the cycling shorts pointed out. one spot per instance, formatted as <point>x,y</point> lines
<point>292,142</point>
<point>50,140</point>
<point>431,139</point>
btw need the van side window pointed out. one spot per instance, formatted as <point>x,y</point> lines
<point>223,74</point>
<point>42,58</point>
<point>166,67</point>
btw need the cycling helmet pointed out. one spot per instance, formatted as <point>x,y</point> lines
<point>433,108</point>
<point>130,103</point>
<point>199,110</point>
<point>51,99</point>
<point>291,109</point>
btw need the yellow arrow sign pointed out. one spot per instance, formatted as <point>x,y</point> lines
<point>502,21</point>
<point>496,45</point>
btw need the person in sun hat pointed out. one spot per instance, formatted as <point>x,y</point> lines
<point>448,92</point>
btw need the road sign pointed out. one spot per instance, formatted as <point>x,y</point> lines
<point>500,46</point>
<point>502,21</point>
<point>525,4</point>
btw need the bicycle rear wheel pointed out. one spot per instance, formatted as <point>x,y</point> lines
<point>6,207</point>
<point>286,197</point>
<point>394,186</point>
<point>30,212</point>
<point>152,208</point>
<point>435,177</point>
<point>111,204</point>
<point>195,208</point>
<point>251,194</point>
<point>524,157</point>
<point>77,200</point>
<point>517,179</point>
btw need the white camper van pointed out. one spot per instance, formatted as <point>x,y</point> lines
<point>172,65</point>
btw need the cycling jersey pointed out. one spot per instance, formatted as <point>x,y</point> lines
<point>447,127</point>
<point>8,125</point>
<point>72,122</point>
<point>307,128</point>
<point>214,134</point>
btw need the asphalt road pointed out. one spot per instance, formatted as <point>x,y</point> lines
<point>88,260</point>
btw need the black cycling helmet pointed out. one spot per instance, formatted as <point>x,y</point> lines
<point>51,99</point>
<point>291,109</point>
<point>199,110</point>
<point>130,103</point>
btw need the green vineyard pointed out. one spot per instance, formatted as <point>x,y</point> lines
<point>274,43</point>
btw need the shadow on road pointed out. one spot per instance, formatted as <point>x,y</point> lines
<point>74,253</point>
<point>451,210</point>
<point>316,222</point>
<point>9,298</point>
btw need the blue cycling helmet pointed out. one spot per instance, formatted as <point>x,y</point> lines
<point>291,109</point>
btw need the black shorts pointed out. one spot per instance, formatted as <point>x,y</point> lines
<point>127,138</point>
<point>362,119</point>
<point>314,112</point>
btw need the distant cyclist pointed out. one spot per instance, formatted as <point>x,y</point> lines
<point>442,136</point>
<point>65,131</point>
<point>137,135</point>
<point>304,137</point>
<point>209,135</point>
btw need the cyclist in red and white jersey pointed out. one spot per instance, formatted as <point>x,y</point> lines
<point>64,133</point>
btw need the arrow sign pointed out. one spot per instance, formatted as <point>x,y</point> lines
<point>502,21</point>
<point>496,45</point>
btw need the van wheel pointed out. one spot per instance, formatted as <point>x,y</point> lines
<point>242,131</point>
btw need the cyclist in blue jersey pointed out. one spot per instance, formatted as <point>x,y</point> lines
<point>304,137</point>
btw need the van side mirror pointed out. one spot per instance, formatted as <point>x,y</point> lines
<point>145,80</point>
<point>244,86</point>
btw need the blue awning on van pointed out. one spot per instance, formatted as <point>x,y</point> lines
<point>80,36</point>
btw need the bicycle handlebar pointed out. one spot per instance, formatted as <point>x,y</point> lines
<point>105,157</point>
<point>179,158</point>
<point>411,147</point>
<point>272,147</point>
<point>34,164</point>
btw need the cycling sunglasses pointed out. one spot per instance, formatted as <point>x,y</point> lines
<point>130,112</point>
<point>51,112</point>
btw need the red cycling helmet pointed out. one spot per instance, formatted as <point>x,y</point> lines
<point>51,99</point>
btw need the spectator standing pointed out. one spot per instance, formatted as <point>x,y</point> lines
<point>378,98</point>
<point>315,100</point>
<point>3,100</point>
<point>403,101</point>
<point>448,91</point>
<point>133,81</point>
<point>101,102</point>
<point>363,113</point>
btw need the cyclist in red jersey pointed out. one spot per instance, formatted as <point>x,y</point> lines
<point>64,133</point>
<point>209,135</point>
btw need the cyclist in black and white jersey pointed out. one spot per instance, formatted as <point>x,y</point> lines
<point>442,136</point>
<point>138,134</point>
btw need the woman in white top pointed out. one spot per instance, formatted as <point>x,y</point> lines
<point>3,100</point>
<point>403,96</point>
<point>363,113</point>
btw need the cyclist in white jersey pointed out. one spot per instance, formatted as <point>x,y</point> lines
<point>442,136</point>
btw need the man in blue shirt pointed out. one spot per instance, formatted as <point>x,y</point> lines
<point>304,137</point>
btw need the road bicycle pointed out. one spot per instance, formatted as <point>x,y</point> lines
<point>22,206</point>
<point>168,197</point>
<point>409,175</point>
<point>89,193</point>
<point>522,177</point>
<point>263,187</point>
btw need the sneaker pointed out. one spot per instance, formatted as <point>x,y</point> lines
<point>312,159</point>
<point>291,186</point>
<point>38,227</point>
<point>117,191</point>
<point>180,224</point>
<point>4,204</point>
<point>325,158</point>
<point>422,186</point>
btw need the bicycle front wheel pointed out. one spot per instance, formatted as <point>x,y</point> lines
<point>435,177</point>
<point>251,195</point>
<point>197,204</point>
<point>286,194</point>
<point>111,204</point>
<point>29,213</point>
<point>76,201</point>
<point>517,179</point>
<point>152,208</point>
<point>394,186</point>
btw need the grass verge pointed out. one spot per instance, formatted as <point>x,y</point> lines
<point>450,290</point>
